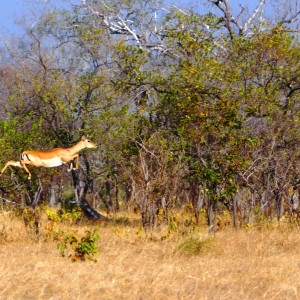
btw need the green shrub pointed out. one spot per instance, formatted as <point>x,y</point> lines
<point>79,248</point>
<point>69,216</point>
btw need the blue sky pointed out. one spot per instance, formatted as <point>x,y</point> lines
<point>12,10</point>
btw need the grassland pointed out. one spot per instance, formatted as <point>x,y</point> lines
<point>252,263</point>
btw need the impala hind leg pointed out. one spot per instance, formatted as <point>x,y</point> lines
<point>23,165</point>
<point>11,163</point>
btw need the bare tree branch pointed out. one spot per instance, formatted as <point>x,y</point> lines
<point>230,20</point>
<point>224,6</point>
<point>117,24</point>
<point>252,17</point>
<point>292,19</point>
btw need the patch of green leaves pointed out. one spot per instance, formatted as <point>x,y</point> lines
<point>78,248</point>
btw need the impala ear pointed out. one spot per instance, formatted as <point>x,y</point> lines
<point>83,138</point>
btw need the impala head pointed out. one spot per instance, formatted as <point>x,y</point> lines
<point>87,142</point>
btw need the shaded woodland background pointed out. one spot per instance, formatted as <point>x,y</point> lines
<point>191,107</point>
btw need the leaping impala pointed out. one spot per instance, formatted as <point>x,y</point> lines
<point>50,158</point>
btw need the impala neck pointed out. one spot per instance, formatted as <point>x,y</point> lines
<point>76,148</point>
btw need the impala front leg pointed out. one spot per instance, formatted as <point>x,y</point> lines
<point>76,157</point>
<point>77,161</point>
<point>71,166</point>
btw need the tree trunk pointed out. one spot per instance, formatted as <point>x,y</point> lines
<point>80,189</point>
<point>149,211</point>
<point>235,218</point>
<point>52,200</point>
<point>211,215</point>
<point>278,205</point>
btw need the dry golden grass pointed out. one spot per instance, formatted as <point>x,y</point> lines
<point>245,264</point>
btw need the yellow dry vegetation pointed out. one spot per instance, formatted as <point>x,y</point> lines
<point>253,263</point>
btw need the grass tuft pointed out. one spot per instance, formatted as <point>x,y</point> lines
<point>197,246</point>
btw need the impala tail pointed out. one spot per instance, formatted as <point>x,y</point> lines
<point>24,157</point>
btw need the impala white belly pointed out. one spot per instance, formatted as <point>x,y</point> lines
<point>52,162</point>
